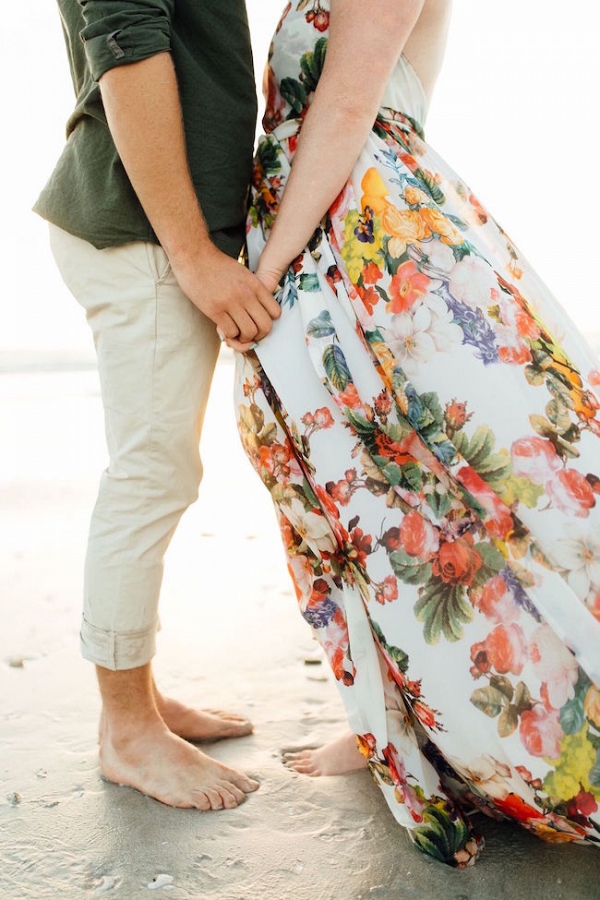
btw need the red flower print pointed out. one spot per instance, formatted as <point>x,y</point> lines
<point>361,546</point>
<point>348,398</point>
<point>322,418</point>
<point>424,714</point>
<point>500,522</point>
<point>540,732</point>
<point>387,591</point>
<point>585,803</point>
<point>526,325</point>
<point>371,273</point>
<point>534,458</point>
<point>418,537</point>
<point>369,297</point>
<point>341,491</point>
<point>398,453</point>
<point>517,354</point>
<point>516,808</point>
<point>406,287</point>
<point>571,493</point>
<point>496,602</point>
<point>383,404</point>
<point>504,650</point>
<point>391,539</point>
<point>457,562</point>
<point>456,415</point>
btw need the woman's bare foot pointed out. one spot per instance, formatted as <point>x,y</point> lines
<point>336,758</point>
<point>200,725</point>
<point>164,766</point>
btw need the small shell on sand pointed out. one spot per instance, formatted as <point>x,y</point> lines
<point>106,883</point>
<point>16,662</point>
<point>161,881</point>
<point>14,798</point>
<point>42,773</point>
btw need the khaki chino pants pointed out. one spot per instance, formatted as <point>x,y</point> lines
<point>156,356</point>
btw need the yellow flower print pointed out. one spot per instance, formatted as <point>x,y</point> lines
<point>438,223</point>
<point>572,768</point>
<point>405,227</point>
<point>374,191</point>
<point>415,196</point>
<point>592,705</point>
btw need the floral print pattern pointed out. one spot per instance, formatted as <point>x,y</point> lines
<point>432,450</point>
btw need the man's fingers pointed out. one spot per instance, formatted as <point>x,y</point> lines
<point>268,301</point>
<point>227,328</point>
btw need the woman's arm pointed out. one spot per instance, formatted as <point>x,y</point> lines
<point>366,37</point>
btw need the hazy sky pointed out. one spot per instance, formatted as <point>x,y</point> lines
<point>515,113</point>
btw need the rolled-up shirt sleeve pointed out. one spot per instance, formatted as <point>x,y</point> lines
<point>118,32</point>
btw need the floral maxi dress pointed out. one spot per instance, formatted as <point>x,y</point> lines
<point>425,418</point>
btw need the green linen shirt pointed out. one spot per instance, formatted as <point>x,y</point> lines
<point>89,193</point>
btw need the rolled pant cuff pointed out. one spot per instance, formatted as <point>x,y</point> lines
<point>116,651</point>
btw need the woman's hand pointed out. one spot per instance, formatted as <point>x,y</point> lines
<point>270,277</point>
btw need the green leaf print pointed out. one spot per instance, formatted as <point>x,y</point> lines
<point>508,721</point>
<point>309,283</point>
<point>268,157</point>
<point>321,326</point>
<point>432,402</point>
<point>428,182</point>
<point>503,685</point>
<point>294,93</point>
<point>572,715</point>
<point>443,609</point>
<point>312,64</point>
<point>442,836</point>
<point>489,700</point>
<point>398,655</point>
<point>594,775</point>
<point>409,569</point>
<point>336,367</point>
<point>494,468</point>
<point>361,426</point>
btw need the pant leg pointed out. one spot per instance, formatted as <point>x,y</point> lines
<point>156,356</point>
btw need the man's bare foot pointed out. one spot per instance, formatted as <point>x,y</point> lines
<point>164,766</point>
<point>200,725</point>
<point>336,758</point>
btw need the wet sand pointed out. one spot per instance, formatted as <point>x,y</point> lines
<point>231,637</point>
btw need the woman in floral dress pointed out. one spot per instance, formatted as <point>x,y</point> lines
<point>424,416</point>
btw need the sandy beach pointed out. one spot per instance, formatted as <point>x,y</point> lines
<point>231,638</point>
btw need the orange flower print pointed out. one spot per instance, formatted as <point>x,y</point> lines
<point>349,397</point>
<point>516,808</point>
<point>497,602</point>
<point>592,705</point>
<point>387,591</point>
<point>504,650</point>
<point>540,732</point>
<point>405,226</point>
<point>406,287</point>
<point>371,273</point>
<point>375,191</point>
<point>369,297</point>
<point>418,537</point>
<point>457,562</point>
<point>437,223</point>
<point>571,493</point>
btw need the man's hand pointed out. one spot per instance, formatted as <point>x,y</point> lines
<point>237,301</point>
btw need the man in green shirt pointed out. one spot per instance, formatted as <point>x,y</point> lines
<point>147,208</point>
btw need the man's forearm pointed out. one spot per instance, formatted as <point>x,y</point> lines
<point>143,111</point>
